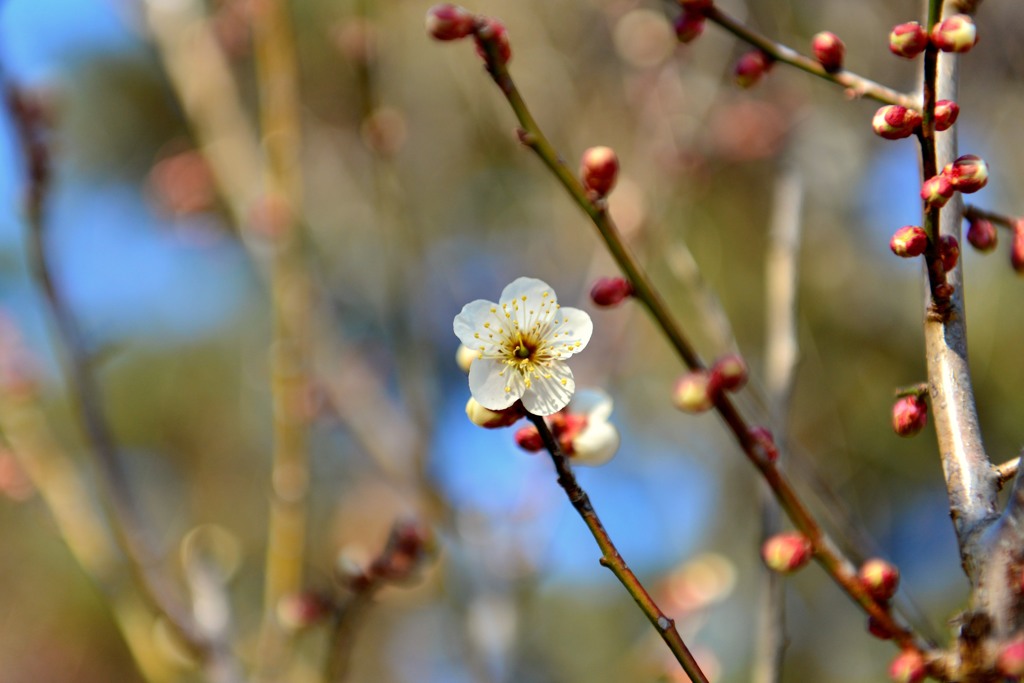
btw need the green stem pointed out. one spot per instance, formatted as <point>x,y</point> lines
<point>611,558</point>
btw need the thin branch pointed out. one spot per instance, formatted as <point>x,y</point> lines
<point>1007,470</point>
<point>277,81</point>
<point>781,353</point>
<point>855,84</point>
<point>827,553</point>
<point>972,212</point>
<point>611,558</point>
<point>132,534</point>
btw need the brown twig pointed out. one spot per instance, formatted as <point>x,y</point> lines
<point>611,558</point>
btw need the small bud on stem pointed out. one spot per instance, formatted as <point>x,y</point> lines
<point>936,191</point>
<point>946,113</point>
<point>693,392</point>
<point>611,291</point>
<point>909,415</point>
<point>982,234</point>
<point>969,173</point>
<point>787,552</point>
<point>880,579</point>
<point>449,22</point>
<point>955,34</point>
<point>894,122</point>
<point>599,169</point>
<point>829,50</point>
<point>908,667</point>
<point>908,40</point>
<point>909,241</point>
<point>751,67</point>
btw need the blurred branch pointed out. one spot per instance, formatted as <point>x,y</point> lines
<point>781,353</point>
<point>132,535</point>
<point>611,558</point>
<point>972,212</point>
<point>277,82</point>
<point>826,552</point>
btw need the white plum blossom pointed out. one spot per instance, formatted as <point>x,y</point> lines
<point>598,440</point>
<point>522,342</point>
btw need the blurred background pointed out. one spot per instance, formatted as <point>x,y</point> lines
<point>415,199</point>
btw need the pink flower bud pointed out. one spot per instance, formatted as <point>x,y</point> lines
<point>449,22</point>
<point>751,67</point>
<point>893,122</point>
<point>967,174</point>
<point>692,392</point>
<point>493,419</point>
<point>946,112</point>
<point>689,25</point>
<point>936,191</point>
<point>880,579</point>
<point>955,34</point>
<point>982,234</point>
<point>878,629</point>
<point>1011,659</point>
<point>908,667</point>
<point>696,5</point>
<point>729,373</point>
<point>787,552</point>
<point>949,252</point>
<point>599,169</point>
<point>909,415</point>
<point>491,30</point>
<point>611,291</point>
<point>764,444</point>
<point>302,610</point>
<point>908,40</point>
<point>1017,247</point>
<point>909,241</point>
<point>829,50</point>
<point>528,438</point>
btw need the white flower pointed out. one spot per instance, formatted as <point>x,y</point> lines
<point>521,343</point>
<point>598,439</point>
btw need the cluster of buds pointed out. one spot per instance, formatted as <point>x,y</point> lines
<point>894,121</point>
<point>956,33</point>
<point>581,429</point>
<point>908,667</point>
<point>750,67</point>
<point>611,291</point>
<point>969,173</point>
<point>450,22</point>
<point>408,546</point>
<point>787,552</point>
<point>599,170</point>
<point>696,391</point>
<point>909,414</point>
<point>829,50</point>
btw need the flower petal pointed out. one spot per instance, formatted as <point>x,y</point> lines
<point>571,331</point>
<point>596,444</point>
<point>471,320</point>
<point>488,381</point>
<point>550,390</point>
<point>530,287</point>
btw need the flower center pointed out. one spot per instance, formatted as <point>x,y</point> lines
<point>523,351</point>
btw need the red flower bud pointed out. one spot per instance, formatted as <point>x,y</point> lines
<point>729,373</point>
<point>955,34</point>
<point>908,667</point>
<point>751,67</point>
<point>689,25</point>
<point>1011,659</point>
<point>879,578</point>
<point>909,415</point>
<point>599,169</point>
<point>909,241</point>
<point>829,50</point>
<point>967,174</point>
<point>1017,246</point>
<point>696,5</point>
<point>936,191</point>
<point>764,444</point>
<point>949,252</point>
<point>878,629</point>
<point>946,112</point>
<point>692,392</point>
<point>982,234</point>
<point>893,122</point>
<point>528,438</point>
<point>908,40</point>
<point>491,30</point>
<point>449,22</point>
<point>611,291</point>
<point>787,552</point>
